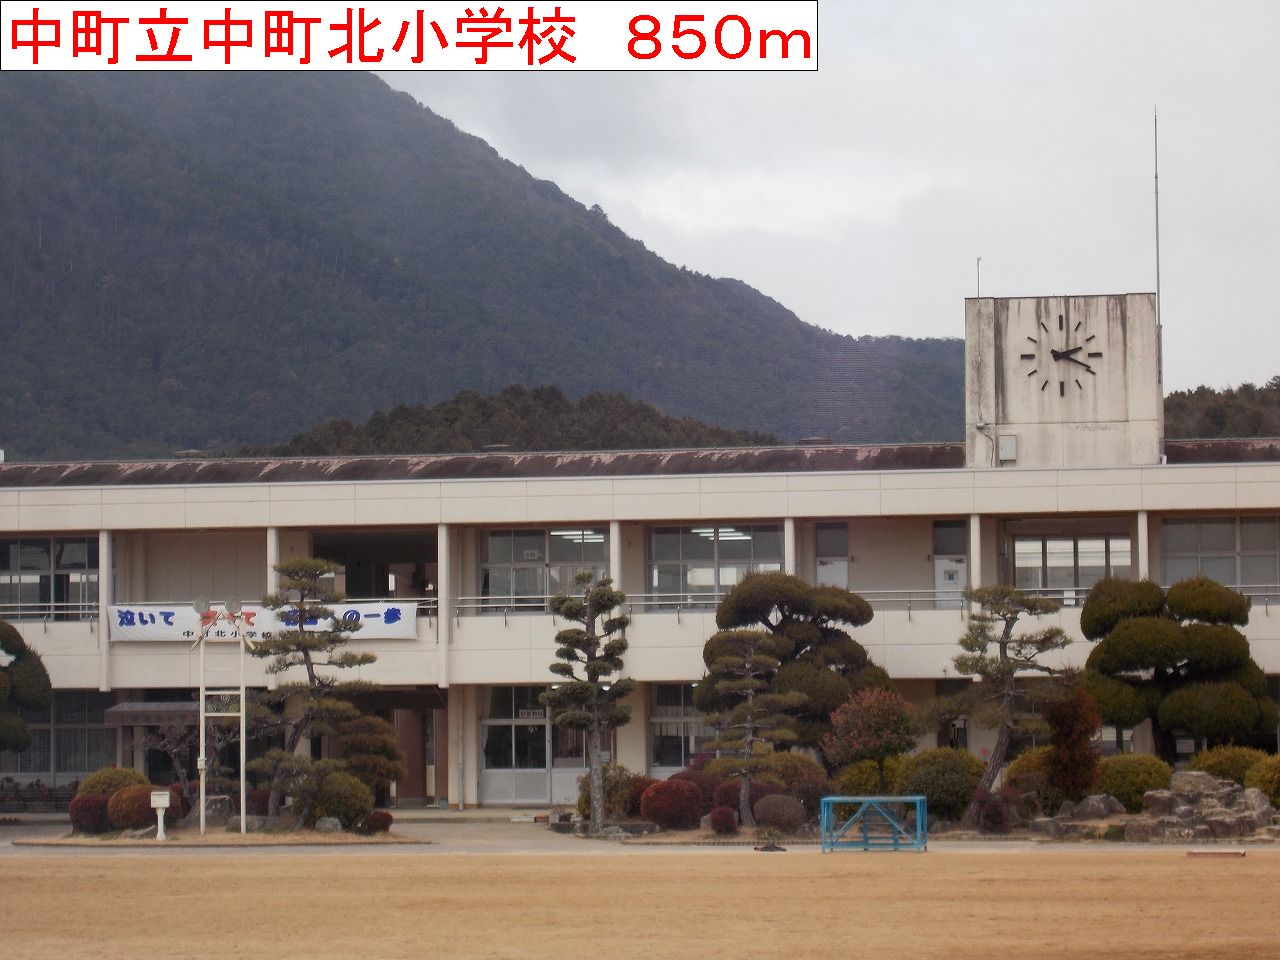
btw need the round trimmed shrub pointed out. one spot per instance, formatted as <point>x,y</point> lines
<point>1127,776</point>
<point>727,792</point>
<point>378,821</point>
<point>130,808</point>
<point>1111,601</point>
<point>724,820</point>
<point>88,813</point>
<point>802,777</point>
<point>706,784</point>
<point>862,779</point>
<point>780,812</point>
<point>1028,780</point>
<point>636,788</point>
<point>1265,775</point>
<point>345,796</point>
<point>945,776</point>
<point>1200,598</point>
<point>672,804</point>
<point>1230,763</point>
<point>110,779</point>
<point>621,792</point>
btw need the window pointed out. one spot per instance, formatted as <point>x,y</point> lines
<point>694,565</point>
<point>70,737</point>
<point>521,568</point>
<point>1063,565</point>
<point>49,576</point>
<point>515,734</point>
<point>677,730</point>
<point>1236,551</point>
<point>831,545</point>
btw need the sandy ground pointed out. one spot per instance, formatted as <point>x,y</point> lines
<point>593,900</point>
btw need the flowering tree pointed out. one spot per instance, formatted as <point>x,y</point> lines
<point>874,725</point>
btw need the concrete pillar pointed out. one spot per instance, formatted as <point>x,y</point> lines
<point>273,558</point>
<point>1144,546</point>
<point>444,607</point>
<point>975,550</point>
<point>106,594</point>
<point>789,545</point>
<point>615,553</point>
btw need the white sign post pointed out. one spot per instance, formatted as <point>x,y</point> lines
<point>160,804</point>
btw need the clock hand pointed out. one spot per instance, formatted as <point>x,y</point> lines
<point>1074,360</point>
<point>1066,354</point>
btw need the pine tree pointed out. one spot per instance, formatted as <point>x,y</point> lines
<point>588,658</point>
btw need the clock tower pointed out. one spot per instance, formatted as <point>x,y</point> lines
<point>1063,382</point>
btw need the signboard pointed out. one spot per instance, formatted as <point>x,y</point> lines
<point>378,620</point>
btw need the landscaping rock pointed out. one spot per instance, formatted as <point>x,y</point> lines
<point>1092,808</point>
<point>252,824</point>
<point>217,811</point>
<point>1046,825</point>
<point>1159,803</point>
<point>1194,783</point>
<point>1067,809</point>
<point>1258,805</point>
<point>328,825</point>
<point>1140,831</point>
<point>1115,807</point>
<point>146,833</point>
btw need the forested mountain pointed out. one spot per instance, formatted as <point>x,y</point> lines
<point>209,260</point>
<point>517,418</point>
<point>1207,414</point>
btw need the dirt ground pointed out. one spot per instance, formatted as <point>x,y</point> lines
<point>1044,903</point>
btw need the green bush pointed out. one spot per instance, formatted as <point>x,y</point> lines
<point>1230,763</point>
<point>727,793</point>
<point>110,779</point>
<point>1207,601</point>
<point>622,789</point>
<point>945,776</point>
<point>1028,778</point>
<point>88,813</point>
<point>803,778</point>
<point>1128,776</point>
<point>345,796</point>
<point>1265,775</point>
<point>130,808</point>
<point>862,779</point>
<point>778,811</point>
<point>1110,601</point>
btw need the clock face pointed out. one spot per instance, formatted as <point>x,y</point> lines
<point>1064,360</point>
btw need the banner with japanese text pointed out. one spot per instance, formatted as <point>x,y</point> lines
<point>457,35</point>
<point>378,620</point>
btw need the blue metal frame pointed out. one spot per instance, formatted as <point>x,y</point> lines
<point>874,814</point>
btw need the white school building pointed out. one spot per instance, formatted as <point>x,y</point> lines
<point>1064,477</point>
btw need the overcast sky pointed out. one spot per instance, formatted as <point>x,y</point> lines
<point>937,132</point>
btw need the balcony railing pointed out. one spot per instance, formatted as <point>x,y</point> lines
<point>50,612</point>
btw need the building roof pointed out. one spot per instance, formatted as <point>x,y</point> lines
<point>512,465</point>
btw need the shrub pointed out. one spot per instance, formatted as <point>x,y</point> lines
<point>1128,776</point>
<point>724,820</point>
<point>862,779</point>
<point>89,813</point>
<point>1028,781</point>
<point>1207,601</point>
<point>110,779</point>
<point>1230,763</point>
<point>130,808</point>
<point>345,796</point>
<point>1073,758</point>
<point>945,776</point>
<point>369,746</point>
<point>672,804</point>
<point>778,811</point>
<point>639,784</point>
<point>620,788</point>
<point>727,792</point>
<point>1110,601</point>
<point>378,821</point>
<point>803,778</point>
<point>1265,775</point>
<point>706,784</point>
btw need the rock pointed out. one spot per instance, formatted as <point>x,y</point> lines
<point>146,833</point>
<point>1258,806</point>
<point>1159,803</point>
<point>282,823</point>
<point>1201,832</point>
<point>252,824</point>
<point>1184,811</point>
<point>1140,831</point>
<point>328,825</point>
<point>1194,783</point>
<point>217,811</point>
<point>1092,808</point>
<point>1046,825</point>
<point>1067,809</point>
<point>1228,825</point>
<point>1114,806</point>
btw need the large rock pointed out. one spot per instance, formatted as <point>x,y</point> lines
<point>1194,783</point>
<point>1228,825</point>
<point>328,825</point>
<point>1159,803</point>
<point>1093,808</point>
<point>1141,831</point>
<point>252,824</point>
<point>1258,806</point>
<point>1067,809</point>
<point>217,811</point>
<point>1046,825</point>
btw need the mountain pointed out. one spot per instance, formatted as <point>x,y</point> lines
<point>518,418</point>
<point>1208,414</point>
<point>209,260</point>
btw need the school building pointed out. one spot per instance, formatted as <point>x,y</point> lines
<point>1064,477</point>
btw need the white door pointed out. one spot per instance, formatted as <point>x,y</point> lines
<point>950,577</point>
